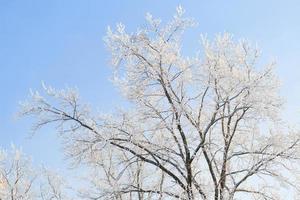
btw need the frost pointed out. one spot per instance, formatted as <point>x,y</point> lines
<point>197,127</point>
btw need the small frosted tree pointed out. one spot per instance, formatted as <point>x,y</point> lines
<point>203,127</point>
<point>16,176</point>
<point>19,180</point>
<point>53,187</point>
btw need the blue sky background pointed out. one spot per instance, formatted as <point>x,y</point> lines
<point>61,43</point>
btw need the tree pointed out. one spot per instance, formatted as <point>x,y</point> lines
<point>53,186</point>
<point>16,176</point>
<point>203,127</point>
<point>19,180</point>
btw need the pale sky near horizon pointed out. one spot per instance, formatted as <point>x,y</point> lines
<point>61,43</point>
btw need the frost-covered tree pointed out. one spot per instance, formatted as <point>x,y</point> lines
<point>16,176</point>
<point>203,127</point>
<point>53,187</point>
<point>19,180</point>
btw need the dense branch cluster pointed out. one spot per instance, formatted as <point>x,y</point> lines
<point>206,127</point>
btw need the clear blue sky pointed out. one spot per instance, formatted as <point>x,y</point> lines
<point>60,42</point>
